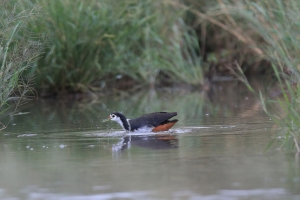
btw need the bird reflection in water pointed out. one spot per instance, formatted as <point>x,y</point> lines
<point>158,141</point>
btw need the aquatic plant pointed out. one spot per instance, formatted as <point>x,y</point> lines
<point>269,31</point>
<point>277,23</point>
<point>224,35</point>
<point>19,50</point>
<point>95,43</point>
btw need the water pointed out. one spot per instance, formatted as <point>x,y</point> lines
<point>61,150</point>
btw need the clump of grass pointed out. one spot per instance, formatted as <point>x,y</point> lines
<point>269,30</point>
<point>19,50</point>
<point>224,36</point>
<point>81,39</point>
<point>95,42</point>
<point>285,113</point>
<point>277,22</point>
<point>188,65</point>
<point>280,28</point>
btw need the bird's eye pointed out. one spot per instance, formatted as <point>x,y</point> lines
<point>112,115</point>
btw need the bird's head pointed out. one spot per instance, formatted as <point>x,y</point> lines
<point>120,119</point>
<point>116,116</point>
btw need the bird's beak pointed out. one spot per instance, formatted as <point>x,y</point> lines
<point>105,120</point>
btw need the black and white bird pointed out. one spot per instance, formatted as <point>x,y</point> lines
<point>155,122</point>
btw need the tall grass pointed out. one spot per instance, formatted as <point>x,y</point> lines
<point>266,30</point>
<point>97,42</point>
<point>19,50</point>
<point>224,35</point>
<point>188,65</point>
<point>277,24</point>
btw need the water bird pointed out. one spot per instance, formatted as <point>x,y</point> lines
<point>155,122</point>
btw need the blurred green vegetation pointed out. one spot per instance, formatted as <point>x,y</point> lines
<point>19,50</point>
<point>276,25</point>
<point>277,22</point>
<point>96,43</point>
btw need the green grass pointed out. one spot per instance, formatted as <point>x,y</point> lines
<point>94,43</point>
<point>267,31</point>
<point>18,52</point>
<point>277,24</point>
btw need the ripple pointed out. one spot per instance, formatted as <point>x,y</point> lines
<point>27,135</point>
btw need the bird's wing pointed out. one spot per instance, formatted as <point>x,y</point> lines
<point>151,120</point>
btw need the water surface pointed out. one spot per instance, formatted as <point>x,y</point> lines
<point>61,150</point>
